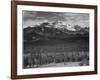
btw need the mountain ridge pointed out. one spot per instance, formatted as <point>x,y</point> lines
<point>41,32</point>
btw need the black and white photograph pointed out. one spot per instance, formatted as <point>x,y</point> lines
<point>55,39</point>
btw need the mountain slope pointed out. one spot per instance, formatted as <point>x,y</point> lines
<point>42,32</point>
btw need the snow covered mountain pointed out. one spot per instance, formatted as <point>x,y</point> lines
<point>47,31</point>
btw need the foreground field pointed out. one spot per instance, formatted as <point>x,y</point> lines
<point>56,53</point>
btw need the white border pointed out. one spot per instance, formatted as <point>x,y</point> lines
<point>21,71</point>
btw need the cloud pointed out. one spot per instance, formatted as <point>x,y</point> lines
<point>36,17</point>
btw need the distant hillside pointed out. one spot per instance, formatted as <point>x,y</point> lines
<point>42,32</point>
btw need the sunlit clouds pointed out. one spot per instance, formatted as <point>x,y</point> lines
<point>32,18</point>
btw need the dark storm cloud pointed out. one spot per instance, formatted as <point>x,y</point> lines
<point>33,17</point>
<point>42,15</point>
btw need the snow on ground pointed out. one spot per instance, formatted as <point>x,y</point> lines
<point>67,64</point>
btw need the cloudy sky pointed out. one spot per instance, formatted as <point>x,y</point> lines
<point>31,18</point>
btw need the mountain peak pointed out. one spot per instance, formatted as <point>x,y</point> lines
<point>53,31</point>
